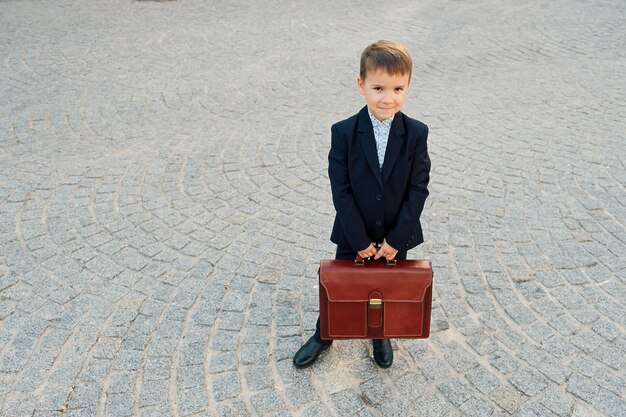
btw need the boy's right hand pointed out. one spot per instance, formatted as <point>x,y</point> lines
<point>369,251</point>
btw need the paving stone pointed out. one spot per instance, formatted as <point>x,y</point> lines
<point>129,359</point>
<point>287,372</point>
<point>432,404</point>
<point>549,279</point>
<point>286,346</point>
<point>510,338</point>
<point>610,356</point>
<point>520,314</point>
<point>104,267</point>
<point>558,401</point>
<point>585,365</point>
<point>367,413</point>
<point>231,321</point>
<point>190,376</point>
<point>587,341</point>
<point>582,387</point>
<point>476,407</point>
<point>527,381</point>
<point>411,384</point>
<point>482,344</point>
<point>455,391</point>
<point>225,386</point>
<point>233,409</point>
<point>565,325</point>
<point>508,398</point>
<point>121,382</point>
<point>582,410</point>
<point>96,370</point>
<point>459,358</point>
<point>254,354</point>
<point>610,404</point>
<point>347,402</point>
<point>559,348</point>
<point>223,361</point>
<point>483,380</point>
<point>539,332</point>
<point>611,309</point>
<point>610,381</point>
<point>160,410</point>
<point>119,405</point>
<point>503,362</point>
<point>533,409</point>
<point>554,370</point>
<point>606,329</point>
<point>435,370</point>
<point>47,414</point>
<point>584,315</point>
<point>162,346</point>
<point>547,308</point>
<point>266,401</point>
<point>301,392</point>
<point>192,400</point>
<point>531,353</point>
<point>19,407</point>
<point>395,407</point>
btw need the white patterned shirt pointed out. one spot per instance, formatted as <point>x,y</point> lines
<point>381,134</point>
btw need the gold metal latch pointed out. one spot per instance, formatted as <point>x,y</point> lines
<point>376,303</point>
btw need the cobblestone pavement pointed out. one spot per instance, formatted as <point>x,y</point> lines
<point>164,204</point>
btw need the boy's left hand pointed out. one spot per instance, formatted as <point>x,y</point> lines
<point>386,251</point>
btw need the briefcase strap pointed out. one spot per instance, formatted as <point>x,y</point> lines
<point>375,310</point>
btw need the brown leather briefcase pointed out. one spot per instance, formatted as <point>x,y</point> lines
<point>375,299</point>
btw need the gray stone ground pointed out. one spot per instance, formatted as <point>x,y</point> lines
<point>164,204</point>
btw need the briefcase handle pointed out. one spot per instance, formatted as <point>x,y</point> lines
<point>359,261</point>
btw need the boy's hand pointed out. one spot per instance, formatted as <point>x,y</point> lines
<point>369,251</point>
<point>386,251</point>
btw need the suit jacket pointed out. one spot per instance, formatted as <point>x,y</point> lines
<point>373,205</point>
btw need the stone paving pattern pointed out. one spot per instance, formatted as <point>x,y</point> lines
<point>164,204</point>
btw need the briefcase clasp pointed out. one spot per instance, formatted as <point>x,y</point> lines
<point>376,303</point>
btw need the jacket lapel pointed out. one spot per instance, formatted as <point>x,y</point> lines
<point>365,136</point>
<point>394,145</point>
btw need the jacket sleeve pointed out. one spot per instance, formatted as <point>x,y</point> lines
<point>415,198</point>
<point>348,212</point>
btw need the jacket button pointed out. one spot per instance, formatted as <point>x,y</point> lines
<point>379,222</point>
<point>379,197</point>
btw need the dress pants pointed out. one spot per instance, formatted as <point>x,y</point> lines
<point>345,253</point>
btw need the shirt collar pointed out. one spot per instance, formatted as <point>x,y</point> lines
<point>376,122</point>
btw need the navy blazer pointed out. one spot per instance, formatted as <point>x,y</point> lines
<point>373,205</point>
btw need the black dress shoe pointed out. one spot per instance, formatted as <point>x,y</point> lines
<point>383,352</point>
<point>309,352</point>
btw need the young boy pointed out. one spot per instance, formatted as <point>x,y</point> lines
<point>379,168</point>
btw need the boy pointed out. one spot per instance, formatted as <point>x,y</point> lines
<point>378,167</point>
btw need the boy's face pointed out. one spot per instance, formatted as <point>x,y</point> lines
<point>384,93</point>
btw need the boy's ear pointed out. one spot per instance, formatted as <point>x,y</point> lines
<point>361,85</point>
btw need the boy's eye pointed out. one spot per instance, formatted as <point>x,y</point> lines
<point>399,88</point>
<point>377,88</point>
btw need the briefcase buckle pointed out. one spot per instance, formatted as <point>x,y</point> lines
<point>376,303</point>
